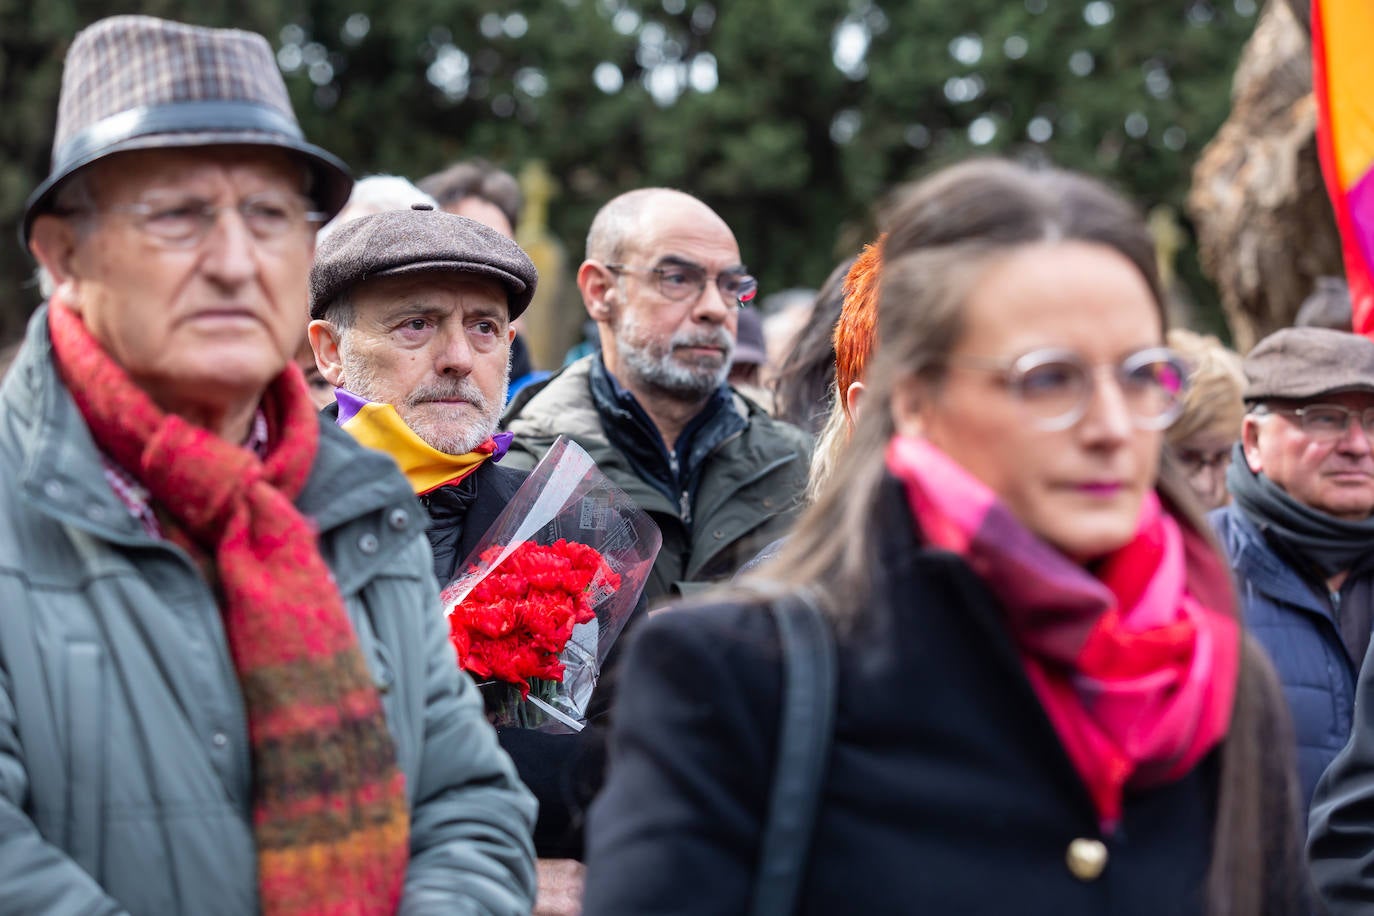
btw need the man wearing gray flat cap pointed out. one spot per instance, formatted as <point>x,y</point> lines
<point>225,684</point>
<point>1299,532</point>
<point>412,320</point>
<point>411,313</point>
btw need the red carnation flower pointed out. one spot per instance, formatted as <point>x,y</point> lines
<point>516,621</point>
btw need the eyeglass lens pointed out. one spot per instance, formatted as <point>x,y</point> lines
<point>1057,390</point>
<point>1330,421</point>
<point>187,221</point>
<point>682,281</point>
<point>1197,460</point>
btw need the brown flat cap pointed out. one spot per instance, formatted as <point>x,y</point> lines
<point>1306,362</point>
<point>419,240</point>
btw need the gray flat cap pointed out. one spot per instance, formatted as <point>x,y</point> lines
<point>1306,362</point>
<point>419,240</point>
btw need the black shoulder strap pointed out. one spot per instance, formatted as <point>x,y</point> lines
<point>808,713</point>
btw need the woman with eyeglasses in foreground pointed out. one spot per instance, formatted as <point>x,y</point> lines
<point>1044,704</point>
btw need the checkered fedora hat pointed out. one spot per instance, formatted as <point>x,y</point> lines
<point>136,82</point>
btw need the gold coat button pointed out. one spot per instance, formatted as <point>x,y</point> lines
<point>1086,858</point>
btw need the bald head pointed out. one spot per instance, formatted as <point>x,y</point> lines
<point>630,214</point>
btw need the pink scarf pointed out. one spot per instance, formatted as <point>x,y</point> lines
<point>1135,673</point>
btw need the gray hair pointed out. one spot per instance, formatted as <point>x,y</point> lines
<point>377,194</point>
<point>340,313</point>
<point>831,442</point>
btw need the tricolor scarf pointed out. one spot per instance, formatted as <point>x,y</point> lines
<point>330,814</point>
<point>378,426</point>
<point>1135,673</point>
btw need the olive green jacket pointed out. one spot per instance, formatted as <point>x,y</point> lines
<point>750,491</point>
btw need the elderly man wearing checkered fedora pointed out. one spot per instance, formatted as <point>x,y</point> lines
<point>225,683</point>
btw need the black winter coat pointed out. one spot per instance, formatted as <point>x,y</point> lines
<point>948,791</point>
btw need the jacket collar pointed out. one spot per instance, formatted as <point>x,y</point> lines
<point>630,430</point>
<point>60,471</point>
<point>1259,565</point>
<point>563,405</point>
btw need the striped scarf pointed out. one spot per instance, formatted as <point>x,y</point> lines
<point>330,814</point>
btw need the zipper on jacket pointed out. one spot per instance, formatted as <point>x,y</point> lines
<point>684,507</point>
<point>1336,603</point>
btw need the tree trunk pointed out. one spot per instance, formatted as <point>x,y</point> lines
<point>1264,223</point>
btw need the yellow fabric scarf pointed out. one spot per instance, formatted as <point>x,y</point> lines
<point>378,426</point>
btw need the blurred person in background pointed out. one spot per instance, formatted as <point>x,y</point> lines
<point>804,360</point>
<point>1204,435</point>
<point>785,314</point>
<point>1328,306</point>
<point>1041,674</point>
<point>478,190</point>
<point>750,359</point>
<point>1299,530</point>
<point>853,342</point>
<point>377,194</point>
<point>373,194</point>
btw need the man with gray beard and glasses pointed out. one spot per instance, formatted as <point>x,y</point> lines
<point>411,321</point>
<point>664,283</point>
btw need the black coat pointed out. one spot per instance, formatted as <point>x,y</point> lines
<point>461,514</point>
<point>948,792</point>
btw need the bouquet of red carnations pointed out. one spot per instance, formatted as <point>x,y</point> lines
<point>549,589</point>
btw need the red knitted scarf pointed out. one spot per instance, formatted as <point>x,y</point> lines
<point>1136,673</point>
<point>329,808</point>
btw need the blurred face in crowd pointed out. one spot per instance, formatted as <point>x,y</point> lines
<point>321,392</point>
<point>1204,457</point>
<point>665,332</point>
<point>484,212</point>
<point>188,266</point>
<point>435,346</point>
<point>1314,459</point>
<point>1079,486</point>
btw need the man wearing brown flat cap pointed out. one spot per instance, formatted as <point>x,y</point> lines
<point>412,321</point>
<point>1300,529</point>
<point>225,685</point>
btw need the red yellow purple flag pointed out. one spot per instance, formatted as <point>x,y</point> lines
<point>1342,75</point>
